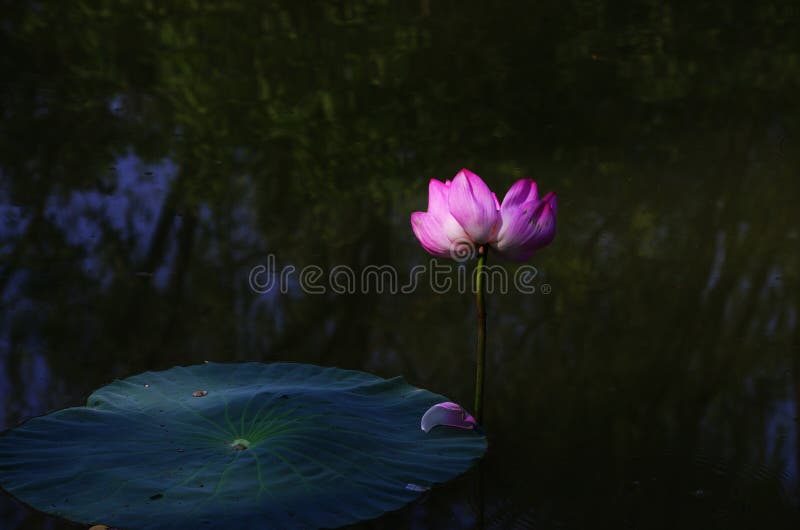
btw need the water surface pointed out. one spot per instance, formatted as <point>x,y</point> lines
<point>152,155</point>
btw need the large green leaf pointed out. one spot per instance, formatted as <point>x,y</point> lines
<point>220,446</point>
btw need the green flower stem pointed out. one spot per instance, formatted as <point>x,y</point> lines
<point>481,305</point>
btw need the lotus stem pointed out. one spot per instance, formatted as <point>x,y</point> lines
<point>483,252</point>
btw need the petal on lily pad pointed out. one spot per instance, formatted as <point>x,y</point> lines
<point>447,413</point>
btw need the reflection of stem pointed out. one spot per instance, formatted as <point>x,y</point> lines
<point>796,374</point>
<point>481,483</point>
<point>483,251</point>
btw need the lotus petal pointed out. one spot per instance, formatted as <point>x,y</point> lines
<point>447,413</point>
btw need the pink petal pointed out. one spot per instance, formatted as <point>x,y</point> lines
<point>526,228</point>
<point>545,224</point>
<point>438,192</point>
<point>431,234</point>
<point>447,413</point>
<point>516,227</point>
<point>473,206</point>
<point>521,191</point>
<point>552,200</point>
<point>437,229</point>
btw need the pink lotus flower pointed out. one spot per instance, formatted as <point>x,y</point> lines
<point>464,211</point>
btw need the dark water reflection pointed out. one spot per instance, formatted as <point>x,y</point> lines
<point>150,156</point>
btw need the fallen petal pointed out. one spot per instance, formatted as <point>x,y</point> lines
<point>447,413</point>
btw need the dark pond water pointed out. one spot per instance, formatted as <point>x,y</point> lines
<point>152,155</point>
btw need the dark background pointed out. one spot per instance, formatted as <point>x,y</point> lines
<point>152,153</point>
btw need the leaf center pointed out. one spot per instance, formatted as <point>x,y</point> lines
<point>240,444</point>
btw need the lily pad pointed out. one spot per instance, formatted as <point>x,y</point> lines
<point>220,446</point>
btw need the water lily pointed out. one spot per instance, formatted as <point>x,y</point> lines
<point>465,219</point>
<point>466,211</point>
